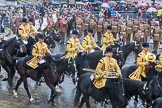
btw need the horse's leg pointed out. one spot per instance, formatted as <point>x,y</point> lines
<point>81,103</point>
<point>1,76</point>
<point>49,100</point>
<point>17,85</point>
<point>27,89</point>
<point>86,97</point>
<point>135,101</point>
<point>53,93</point>
<point>10,77</point>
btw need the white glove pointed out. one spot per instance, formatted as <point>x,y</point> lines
<point>90,46</point>
<point>146,63</point>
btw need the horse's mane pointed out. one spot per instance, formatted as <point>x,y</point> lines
<point>131,83</point>
<point>7,43</point>
<point>94,53</point>
<point>129,45</point>
<point>60,60</point>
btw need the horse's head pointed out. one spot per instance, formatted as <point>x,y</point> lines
<point>56,35</point>
<point>118,55</point>
<point>49,59</point>
<point>116,92</point>
<point>50,41</point>
<point>154,90</point>
<point>71,66</point>
<point>21,45</point>
<point>136,47</point>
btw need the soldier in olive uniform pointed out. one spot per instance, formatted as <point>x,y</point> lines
<point>123,32</point>
<point>93,24</point>
<point>99,29</point>
<point>156,38</point>
<point>114,28</point>
<point>86,25</point>
<point>129,30</point>
<point>79,24</point>
<point>146,30</point>
<point>136,24</point>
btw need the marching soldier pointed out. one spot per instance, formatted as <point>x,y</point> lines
<point>123,32</point>
<point>153,25</point>
<point>62,29</point>
<point>99,29</point>
<point>105,24</point>
<point>73,45</point>
<point>22,30</point>
<point>143,59</point>
<point>136,24</point>
<point>79,24</point>
<point>146,30</point>
<point>114,28</point>
<point>106,64</point>
<point>156,38</point>
<point>86,25</point>
<point>129,30</point>
<point>93,25</point>
<point>108,38</point>
<point>89,43</point>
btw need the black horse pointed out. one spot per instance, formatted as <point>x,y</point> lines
<point>11,48</point>
<point>51,74</point>
<point>152,75</point>
<point>146,91</point>
<point>113,89</point>
<point>49,40</point>
<point>157,103</point>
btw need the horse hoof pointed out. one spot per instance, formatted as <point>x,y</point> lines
<point>4,79</point>
<point>1,76</point>
<point>15,94</point>
<point>32,100</point>
<point>59,93</point>
<point>16,76</point>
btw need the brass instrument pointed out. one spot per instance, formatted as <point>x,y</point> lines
<point>106,73</point>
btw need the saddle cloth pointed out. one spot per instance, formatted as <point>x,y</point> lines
<point>26,59</point>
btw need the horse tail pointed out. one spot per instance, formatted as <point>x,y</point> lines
<point>77,96</point>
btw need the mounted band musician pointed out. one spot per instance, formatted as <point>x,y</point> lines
<point>73,45</point>
<point>144,60</point>
<point>32,31</point>
<point>39,50</point>
<point>89,43</point>
<point>23,30</point>
<point>108,38</point>
<point>106,64</point>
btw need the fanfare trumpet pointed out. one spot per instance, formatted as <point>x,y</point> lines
<point>105,73</point>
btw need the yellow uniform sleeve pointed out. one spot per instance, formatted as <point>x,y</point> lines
<point>22,34</point>
<point>160,58</point>
<point>84,43</point>
<point>47,50</point>
<point>34,51</point>
<point>105,41</point>
<point>100,66</point>
<point>139,60</point>
<point>80,47</point>
<point>69,47</point>
<point>117,68</point>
